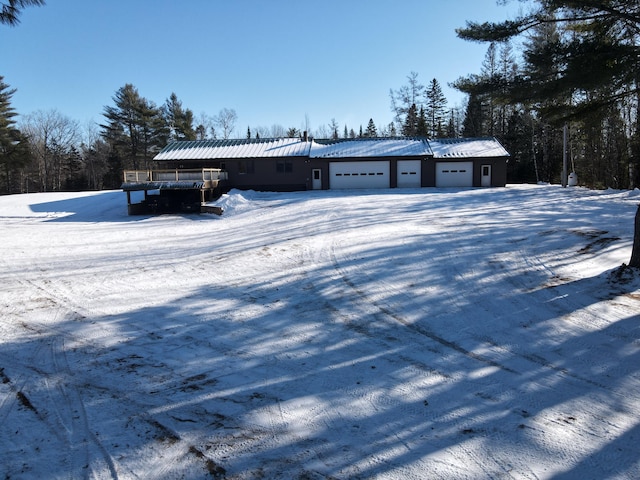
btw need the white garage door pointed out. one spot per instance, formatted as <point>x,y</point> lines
<point>454,174</point>
<point>358,175</point>
<point>409,174</point>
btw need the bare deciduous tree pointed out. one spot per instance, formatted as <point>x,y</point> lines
<point>413,93</point>
<point>226,121</point>
<point>51,135</point>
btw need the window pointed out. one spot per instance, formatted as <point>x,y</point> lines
<point>245,166</point>
<point>284,166</point>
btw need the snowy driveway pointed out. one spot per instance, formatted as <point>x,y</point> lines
<point>390,334</point>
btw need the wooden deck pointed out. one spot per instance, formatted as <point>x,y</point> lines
<point>173,190</point>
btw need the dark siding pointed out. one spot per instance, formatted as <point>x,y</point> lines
<point>429,173</point>
<point>498,171</point>
<point>265,174</point>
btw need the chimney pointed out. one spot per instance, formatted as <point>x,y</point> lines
<point>305,137</point>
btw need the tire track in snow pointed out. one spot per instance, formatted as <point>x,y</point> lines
<point>58,406</point>
<point>66,402</point>
<point>556,295</point>
<point>17,380</point>
<point>412,326</point>
<point>63,412</point>
<point>529,262</point>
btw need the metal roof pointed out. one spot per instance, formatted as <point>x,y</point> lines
<point>467,148</point>
<point>370,147</point>
<point>343,148</point>
<point>243,148</point>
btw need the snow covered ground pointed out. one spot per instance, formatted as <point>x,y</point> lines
<point>394,334</point>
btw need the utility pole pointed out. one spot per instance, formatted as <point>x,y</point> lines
<point>564,155</point>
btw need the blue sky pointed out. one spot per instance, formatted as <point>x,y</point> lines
<point>272,61</point>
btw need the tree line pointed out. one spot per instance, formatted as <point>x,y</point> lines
<point>579,68</point>
<point>576,67</point>
<point>48,151</point>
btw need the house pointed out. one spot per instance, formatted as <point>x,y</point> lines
<point>279,164</point>
<point>287,164</point>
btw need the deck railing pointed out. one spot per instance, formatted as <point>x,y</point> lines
<point>141,176</point>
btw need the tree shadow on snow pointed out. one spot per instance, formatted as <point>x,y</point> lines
<point>338,369</point>
<point>249,380</point>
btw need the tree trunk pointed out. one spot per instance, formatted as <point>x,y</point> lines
<point>635,252</point>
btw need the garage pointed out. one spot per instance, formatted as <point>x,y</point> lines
<point>409,174</point>
<point>454,174</point>
<point>366,174</point>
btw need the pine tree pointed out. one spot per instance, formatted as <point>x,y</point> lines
<point>372,131</point>
<point>410,126</point>
<point>14,151</point>
<point>592,59</point>
<point>178,119</point>
<point>473,118</point>
<point>421,126</point>
<point>581,61</point>
<point>333,128</point>
<point>135,129</point>
<point>451,126</point>
<point>10,10</point>
<point>435,110</point>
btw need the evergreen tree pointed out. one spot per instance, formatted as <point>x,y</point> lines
<point>435,109</point>
<point>473,118</point>
<point>14,151</point>
<point>518,140</point>
<point>10,10</point>
<point>178,120</point>
<point>421,126</point>
<point>372,131</point>
<point>451,126</point>
<point>333,128</point>
<point>154,132</point>
<point>201,132</point>
<point>410,127</point>
<point>95,155</point>
<point>135,129</point>
<point>593,60</point>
